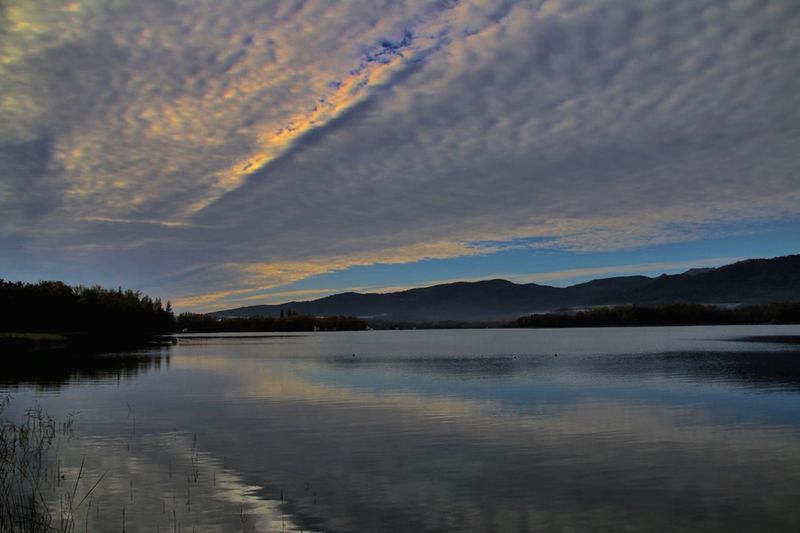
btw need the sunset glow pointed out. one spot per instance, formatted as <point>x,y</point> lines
<point>219,152</point>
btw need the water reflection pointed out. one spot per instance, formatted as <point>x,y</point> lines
<point>758,369</point>
<point>473,434</point>
<point>52,371</point>
<point>155,483</point>
<point>360,462</point>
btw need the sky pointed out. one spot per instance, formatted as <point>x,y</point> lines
<point>219,153</point>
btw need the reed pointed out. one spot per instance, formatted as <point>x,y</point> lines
<point>24,450</point>
<point>40,491</point>
<point>25,481</point>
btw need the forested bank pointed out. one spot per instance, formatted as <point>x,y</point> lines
<point>666,315</point>
<point>53,314</point>
<point>201,323</point>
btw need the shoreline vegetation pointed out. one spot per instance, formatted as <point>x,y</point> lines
<point>39,492</point>
<point>289,322</point>
<point>52,317</point>
<point>30,477</point>
<point>679,314</point>
<point>24,461</point>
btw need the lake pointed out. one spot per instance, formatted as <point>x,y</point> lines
<point>617,429</point>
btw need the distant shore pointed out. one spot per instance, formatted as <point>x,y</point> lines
<point>774,339</point>
<point>677,314</point>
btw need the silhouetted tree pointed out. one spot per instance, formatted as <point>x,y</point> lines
<point>53,306</point>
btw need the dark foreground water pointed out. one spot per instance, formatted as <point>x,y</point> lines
<point>637,429</point>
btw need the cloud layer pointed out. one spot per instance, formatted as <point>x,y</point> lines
<point>212,148</point>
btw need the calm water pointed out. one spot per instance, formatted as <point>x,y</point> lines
<point>645,429</point>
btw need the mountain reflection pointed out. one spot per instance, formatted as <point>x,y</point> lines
<point>761,370</point>
<point>758,369</point>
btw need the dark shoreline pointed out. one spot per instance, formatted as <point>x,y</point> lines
<point>48,360</point>
<point>774,339</point>
<point>87,343</point>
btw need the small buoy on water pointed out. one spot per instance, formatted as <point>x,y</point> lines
<point>555,355</point>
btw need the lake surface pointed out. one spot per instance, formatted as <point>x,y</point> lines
<point>626,429</point>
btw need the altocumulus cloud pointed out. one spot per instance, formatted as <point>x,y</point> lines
<point>243,145</point>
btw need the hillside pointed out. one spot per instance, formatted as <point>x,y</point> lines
<point>751,281</point>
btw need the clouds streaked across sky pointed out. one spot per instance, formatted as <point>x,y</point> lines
<point>217,152</point>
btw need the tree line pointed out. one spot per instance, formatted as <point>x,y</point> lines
<point>289,321</point>
<point>55,307</point>
<point>679,314</point>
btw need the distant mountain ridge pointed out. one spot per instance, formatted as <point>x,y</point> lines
<point>749,282</point>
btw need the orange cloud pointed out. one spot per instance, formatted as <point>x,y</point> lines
<point>259,277</point>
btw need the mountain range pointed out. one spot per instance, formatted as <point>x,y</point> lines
<point>746,282</point>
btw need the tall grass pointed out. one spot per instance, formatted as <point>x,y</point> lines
<point>40,493</point>
<point>24,451</point>
<point>28,475</point>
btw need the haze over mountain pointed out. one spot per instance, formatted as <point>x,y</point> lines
<point>750,281</point>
